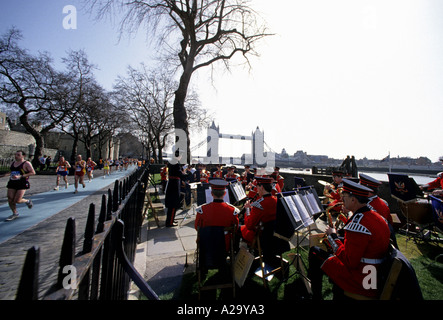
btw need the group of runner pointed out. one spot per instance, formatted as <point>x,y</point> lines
<point>21,170</point>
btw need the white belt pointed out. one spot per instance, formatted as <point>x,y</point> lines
<point>371,261</point>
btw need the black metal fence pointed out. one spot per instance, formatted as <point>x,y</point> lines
<point>103,270</point>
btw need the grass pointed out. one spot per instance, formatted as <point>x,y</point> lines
<point>420,254</point>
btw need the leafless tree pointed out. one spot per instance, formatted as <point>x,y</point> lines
<point>200,33</point>
<point>29,85</point>
<point>148,96</point>
<point>79,75</point>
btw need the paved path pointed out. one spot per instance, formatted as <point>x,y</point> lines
<point>168,252</point>
<point>44,226</point>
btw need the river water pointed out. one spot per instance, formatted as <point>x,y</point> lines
<point>419,178</point>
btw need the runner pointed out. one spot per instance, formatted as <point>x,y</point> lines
<point>106,167</point>
<point>126,163</point>
<point>90,165</point>
<point>18,183</point>
<point>80,169</point>
<point>62,171</point>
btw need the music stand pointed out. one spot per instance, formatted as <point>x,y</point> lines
<point>299,182</point>
<point>295,211</point>
<point>405,190</point>
<point>236,191</point>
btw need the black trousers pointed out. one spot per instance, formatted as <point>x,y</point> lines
<point>316,259</point>
<point>170,216</point>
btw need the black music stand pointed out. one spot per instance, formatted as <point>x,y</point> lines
<point>405,190</point>
<point>295,211</point>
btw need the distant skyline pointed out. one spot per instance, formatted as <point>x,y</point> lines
<point>338,78</point>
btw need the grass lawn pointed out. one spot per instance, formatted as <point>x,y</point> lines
<point>420,254</point>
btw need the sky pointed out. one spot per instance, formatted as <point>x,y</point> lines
<point>337,78</point>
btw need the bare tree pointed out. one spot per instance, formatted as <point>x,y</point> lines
<point>148,96</point>
<point>79,75</point>
<point>206,31</point>
<point>29,85</point>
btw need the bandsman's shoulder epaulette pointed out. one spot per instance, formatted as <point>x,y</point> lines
<point>355,225</point>
<point>257,204</point>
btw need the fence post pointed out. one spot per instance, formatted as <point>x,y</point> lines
<point>102,216</point>
<point>89,230</point>
<point>109,206</point>
<point>115,198</point>
<point>28,286</point>
<point>67,255</point>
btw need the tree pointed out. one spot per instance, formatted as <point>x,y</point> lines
<point>77,91</point>
<point>207,31</point>
<point>148,96</point>
<point>29,84</point>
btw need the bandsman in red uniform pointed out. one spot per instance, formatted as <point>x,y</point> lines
<point>246,177</point>
<point>333,191</point>
<point>366,243</point>
<point>436,185</point>
<point>218,173</point>
<point>231,175</point>
<point>263,210</point>
<point>375,202</point>
<point>204,174</point>
<point>218,212</point>
<point>278,178</point>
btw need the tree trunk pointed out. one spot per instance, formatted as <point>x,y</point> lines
<point>74,149</point>
<point>180,114</point>
<point>39,140</point>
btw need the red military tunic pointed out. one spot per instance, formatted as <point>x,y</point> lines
<point>437,183</point>
<point>366,242</point>
<point>263,210</point>
<point>164,173</point>
<point>218,174</point>
<point>217,213</point>
<point>204,176</point>
<point>235,176</point>
<point>379,205</point>
<point>336,197</point>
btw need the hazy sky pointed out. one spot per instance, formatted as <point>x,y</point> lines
<point>338,78</point>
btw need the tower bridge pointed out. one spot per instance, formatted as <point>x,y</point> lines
<point>260,154</point>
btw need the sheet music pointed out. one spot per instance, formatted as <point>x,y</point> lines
<point>306,218</point>
<point>304,198</point>
<point>313,203</point>
<point>210,198</point>
<point>293,208</point>
<point>238,191</point>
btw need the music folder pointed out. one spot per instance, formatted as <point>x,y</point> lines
<point>295,210</point>
<point>403,187</point>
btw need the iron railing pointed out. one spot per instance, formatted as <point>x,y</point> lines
<point>103,270</point>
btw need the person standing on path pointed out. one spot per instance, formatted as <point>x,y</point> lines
<point>80,169</point>
<point>18,183</point>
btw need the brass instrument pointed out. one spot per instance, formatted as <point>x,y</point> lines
<point>327,240</point>
<point>342,218</point>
